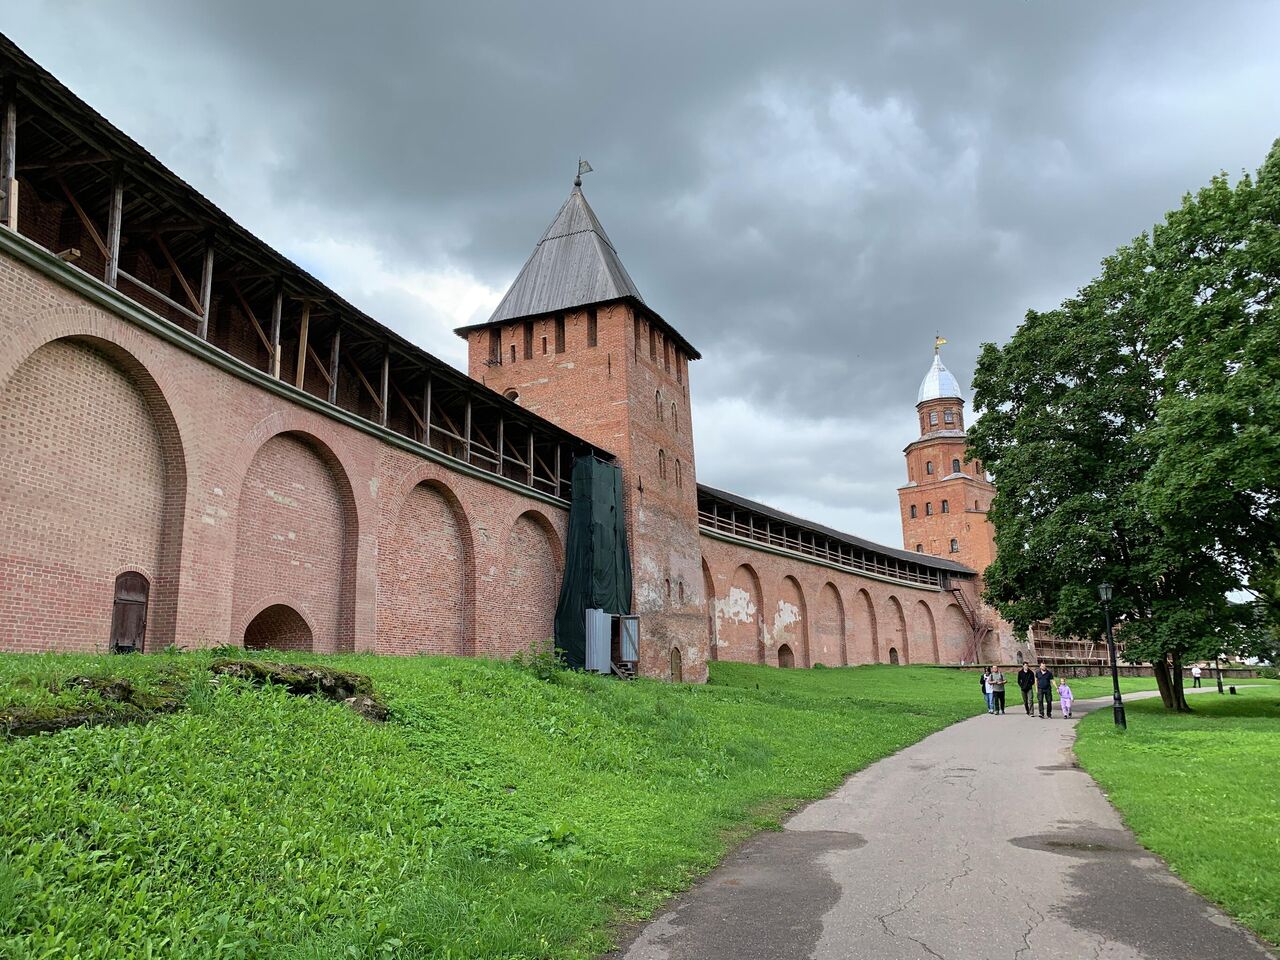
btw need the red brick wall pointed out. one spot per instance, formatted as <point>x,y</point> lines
<point>293,540</point>
<point>877,614</point>
<point>423,565</point>
<point>530,586</point>
<point>206,540</point>
<point>82,498</point>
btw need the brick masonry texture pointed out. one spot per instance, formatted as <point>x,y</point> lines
<point>124,452</point>
<point>257,521</point>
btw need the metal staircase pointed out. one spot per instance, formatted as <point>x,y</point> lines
<point>979,628</point>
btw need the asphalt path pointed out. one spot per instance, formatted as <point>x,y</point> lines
<point>984,840</point>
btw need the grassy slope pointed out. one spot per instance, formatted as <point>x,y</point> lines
<point>497,815</point>
<point>1200,790</point>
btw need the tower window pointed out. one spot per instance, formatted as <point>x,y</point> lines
<point>593,330</point>
<point>933,418</point>
<point>653,342</point>
<point>666,354</point>
<point>495,345</point>
<point>913,511</point>
<point>528,339</point>
<point>946,507</point>
<point>635,322</point>
<point>657,404</point>
<point>928,509</point>
<point>919,548</point>
<point>955,545</point>
<point>513,396</point>
<point>662,464</point>
<point>949,416</point>
<point>544,346</point>
<point>955,464</point>
<point>928,467</point>
<point>975,505</point>
<point>513,353</point>
<point>679,483</point>
<point>679,367</point>
<point>675,417</point>
<point>560,334</point>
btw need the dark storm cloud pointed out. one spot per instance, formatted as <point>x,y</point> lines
<point>809,191</point>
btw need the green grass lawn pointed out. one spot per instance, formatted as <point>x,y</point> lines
<point>1200,789</point>
<point>495,815</point>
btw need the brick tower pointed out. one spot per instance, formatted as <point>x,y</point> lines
<point>574,341</point>
<point>945,500</point>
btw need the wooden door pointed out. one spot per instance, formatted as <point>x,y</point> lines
<point>129,616</point>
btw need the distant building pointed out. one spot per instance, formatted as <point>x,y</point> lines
<point>944,506</point>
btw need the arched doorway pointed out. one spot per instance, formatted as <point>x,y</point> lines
<point>893,655</point>
<point>677,666</point>
<point>786,658</point>
<point>129,615</point>
<point>278,627</point>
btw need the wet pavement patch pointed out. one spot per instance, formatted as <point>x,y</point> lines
<point>1082,843</point>
<point>766,900</point>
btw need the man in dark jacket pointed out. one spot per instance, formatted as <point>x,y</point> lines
<point>1027,683</point>
<point>1044,690</point>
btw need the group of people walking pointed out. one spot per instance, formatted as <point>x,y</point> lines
<point>1037,688</point>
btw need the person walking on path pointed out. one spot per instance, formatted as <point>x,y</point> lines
<point>986,687</point>
<point>1195,675</point>
<point>1064,699</point>
<point>1027,683</point>
<point>1044,690</point>
<point>997,690</point>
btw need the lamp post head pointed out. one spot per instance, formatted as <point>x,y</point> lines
<point>1104,592</point>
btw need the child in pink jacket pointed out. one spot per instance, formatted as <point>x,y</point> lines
<point>1064,699</point>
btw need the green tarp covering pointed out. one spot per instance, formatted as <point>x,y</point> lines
<point>597,565</point>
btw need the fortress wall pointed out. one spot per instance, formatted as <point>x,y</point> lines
<point>240,507</point>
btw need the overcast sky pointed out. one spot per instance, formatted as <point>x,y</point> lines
<point>807,191</point>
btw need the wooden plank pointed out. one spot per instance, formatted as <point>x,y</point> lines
<point>299,379</point>
<point>531,430</point>
<point>165,298</point>
<point>426,412</point>
<point>248,312</point>
<point>467,439</point>
<point>115,217</point>
<point>9,157</point>
<point>417,418</point>
<point>173,267</point>
<point>277,311</point>
<point>320,368</point>
<point>334,349</point>
<point>386,380</point>
<point>364,381</point>
<point>86,222</point>
<point>206,288</point>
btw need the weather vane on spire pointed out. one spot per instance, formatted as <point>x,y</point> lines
<point>583,167</point>
<point>937,343</point>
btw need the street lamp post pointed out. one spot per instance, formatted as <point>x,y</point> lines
<point>1217,662</point>
<point>1117,705</point>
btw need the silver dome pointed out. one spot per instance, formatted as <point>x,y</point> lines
<point>938,383</point>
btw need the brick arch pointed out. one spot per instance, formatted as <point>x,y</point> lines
<point>426,570</point>
<point>709,586</point>
<point>528,582</point>
<point>279,625</point>
<point>829,623</point>
<point>957,637</point>
<point>931,628</point>
<point>899,637</point>
<point>791,620</point>
<point>740,618</point>
<point>296,532</point>
<point>865,625</point>
<point>94,462</point>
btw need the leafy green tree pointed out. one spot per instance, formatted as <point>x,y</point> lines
<point>1215,332</point>
<point>1132,434</point>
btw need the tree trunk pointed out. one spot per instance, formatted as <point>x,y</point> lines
<point>1179,695</point>
<point>1164,683</point>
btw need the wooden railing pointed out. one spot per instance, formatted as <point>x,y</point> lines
<point>819,547</point>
